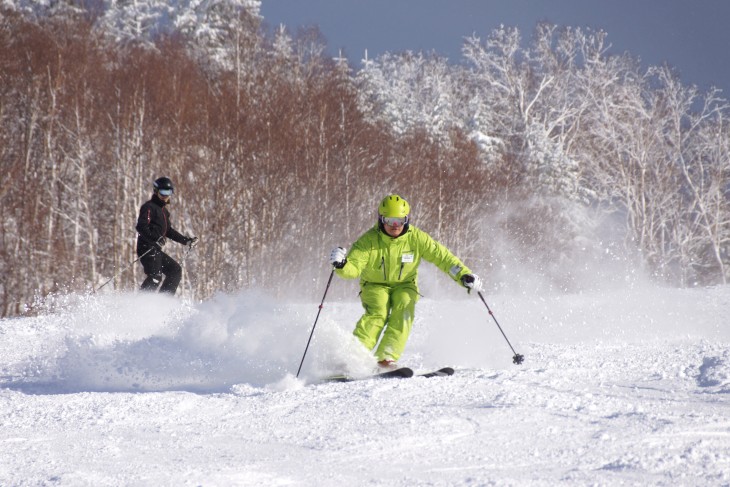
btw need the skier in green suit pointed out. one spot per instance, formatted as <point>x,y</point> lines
<point>386,259</point>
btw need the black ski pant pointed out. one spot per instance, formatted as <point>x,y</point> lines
<point>156,264</point>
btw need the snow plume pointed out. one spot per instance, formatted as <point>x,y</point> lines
<point>553,245</point>
<point>618,387</point>
<point>149,342</point>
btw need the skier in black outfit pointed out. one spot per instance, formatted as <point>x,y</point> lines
<point>154,227</point>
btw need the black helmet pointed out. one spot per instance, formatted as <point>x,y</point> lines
<point>164,186</point>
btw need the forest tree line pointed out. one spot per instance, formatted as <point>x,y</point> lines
<point>280,152</point>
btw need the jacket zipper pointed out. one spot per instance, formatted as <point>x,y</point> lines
<point>164,217</point>
<point>385,275</point>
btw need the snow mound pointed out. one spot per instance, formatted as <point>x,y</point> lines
<point>715,373</point>
<point>621,388</point>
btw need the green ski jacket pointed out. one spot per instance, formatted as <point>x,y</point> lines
<point>379,258</point>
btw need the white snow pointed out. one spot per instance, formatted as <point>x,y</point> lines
<point>626,387</point>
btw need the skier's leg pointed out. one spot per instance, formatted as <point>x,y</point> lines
<point>403,306</point>
<point>152,264</point>
<point>375,301</point>
<point>151,282</point>
<point>173,274</point>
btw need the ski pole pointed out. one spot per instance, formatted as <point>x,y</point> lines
<point>190,247</point>
<point>517,358</point>
<point>123,269</point>
<point>128,266</point>
<point>321,305</point>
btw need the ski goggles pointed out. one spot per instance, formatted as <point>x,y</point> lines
<point>165,192</point>
<point>394,221</point>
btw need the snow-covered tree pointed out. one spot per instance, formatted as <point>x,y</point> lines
<point>696,143</point>
<point>410,92</point>
<point>278,150</point>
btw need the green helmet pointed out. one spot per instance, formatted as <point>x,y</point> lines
<point>393,206</point>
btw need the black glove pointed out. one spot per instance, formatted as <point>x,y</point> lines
<point>191,241</point>
<point>160,242</point>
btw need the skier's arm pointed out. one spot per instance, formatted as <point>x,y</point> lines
<point>178,237</point>
<point>441,257</point>
<point>357,258</point>
<point>144,227</point>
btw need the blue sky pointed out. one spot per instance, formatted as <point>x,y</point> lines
<point>691,35</point>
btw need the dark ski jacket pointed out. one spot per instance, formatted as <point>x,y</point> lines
<point>153,226</point>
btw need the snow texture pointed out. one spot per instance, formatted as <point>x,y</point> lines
<point>627,387</point>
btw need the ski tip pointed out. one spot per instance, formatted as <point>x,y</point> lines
<point>406,372</point>
<point>337,378</point>
<point>403,372</point>
<point>442,372</point>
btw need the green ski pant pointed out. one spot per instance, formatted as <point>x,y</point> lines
<point>393,306</point>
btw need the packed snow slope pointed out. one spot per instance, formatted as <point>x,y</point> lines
<point>621,387</point>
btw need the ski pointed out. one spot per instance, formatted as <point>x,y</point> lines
<point>444,372</point>
<point>399,373</point>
